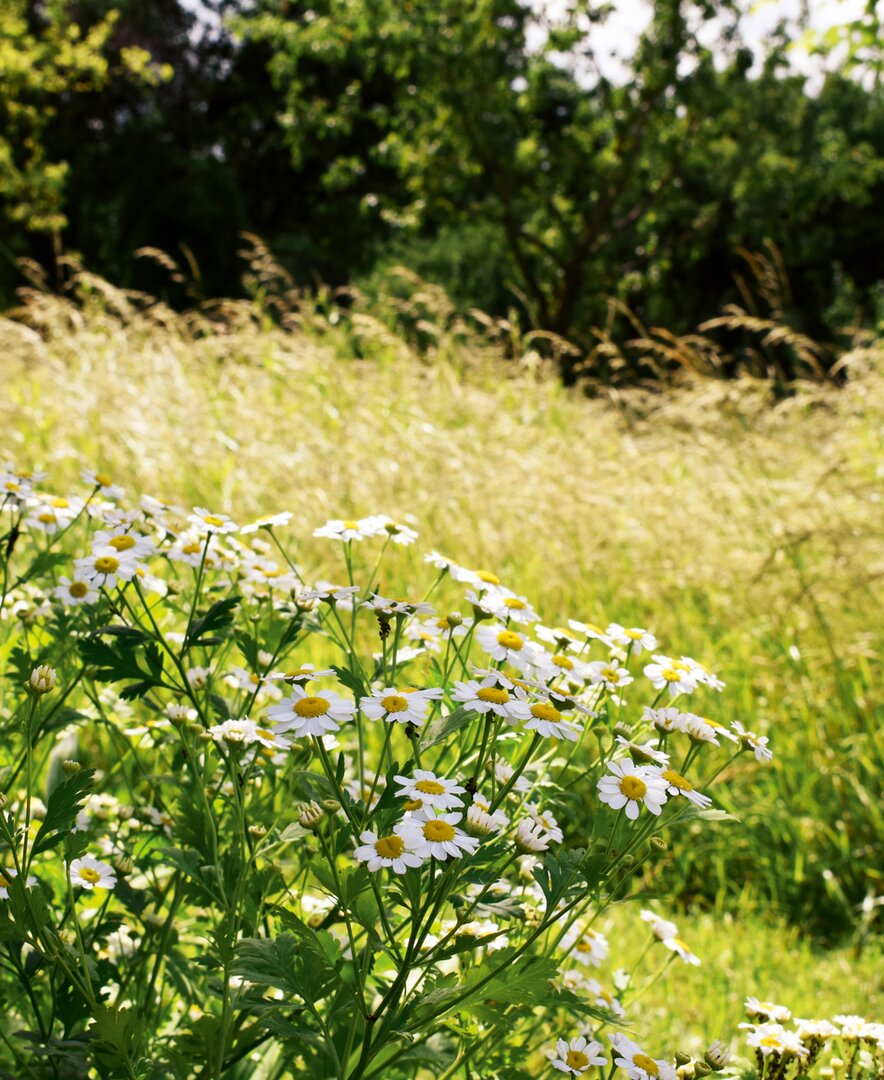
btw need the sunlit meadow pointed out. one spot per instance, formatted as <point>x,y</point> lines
<point>495,731</point>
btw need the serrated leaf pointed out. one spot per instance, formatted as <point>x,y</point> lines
<point>217,619</point>
<point>443,726</point>
<point>64,803</point>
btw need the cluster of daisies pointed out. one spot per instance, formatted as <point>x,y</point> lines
<point>777,1047</point>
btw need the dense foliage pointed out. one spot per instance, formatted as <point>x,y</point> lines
<point>481,145</point>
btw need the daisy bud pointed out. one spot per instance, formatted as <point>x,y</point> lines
<point>686,1072</point>
<point>123,865</point>
<point>681,1058</point>
<point>310,815</point>
<point>701,1068</point>
<point>257,831</point>
<point>71,767</point>
<point>204,736</point>
<point>717,1056</point>
<point>478,823</point>
<point>530,836</point>
<point>3,800</point>
<point>331,806</point>
<point>41,681</point>
<point>454,619</point>
<point>827,1074</point>
<point>659,843</point>
<point>622,729</point>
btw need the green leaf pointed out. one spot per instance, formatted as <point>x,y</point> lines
<point>443,726</point>
<point>216,620</point>
<point>65,802</point>
<point>115,1035</point>
<point>302,963</point>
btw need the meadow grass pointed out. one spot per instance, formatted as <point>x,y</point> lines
<point>747,530</point>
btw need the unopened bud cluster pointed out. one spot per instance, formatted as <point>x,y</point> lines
<point>41,680</point>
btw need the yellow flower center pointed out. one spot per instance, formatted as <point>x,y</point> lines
<point>88,874</point>
<point>438,830</point>
<point>496,697</point>
<point>78,589</point>
<point>351,524</point>
<point>679,666</point>
<point>394,703</point>
<point>264,733</point>
<point>412,804</point>
<point>575,1060</point>
<point>192,549</point>
<point>642,1061</point>
<point>514,603</point>
<point>670,674</point>
<point>509,640</point>
<point>487,577</point>
<point>771,1040</point>
<point>312,706</point>
<point>611,674</point>
<point>106,564</point>
<point>544,711</point>
<point>677,780</point>
<point>271,571</point>
<point>48,518</point>
<point>4,882</point>
<point>633,788</point>
<point>430,787</point>
<point>389,847</point>
<point>634,634</point>
<point>103,479</point>
<point>60,504</point>
<point>121,543</point>
<point>606,997</point>
<point>563,661</point>
<point>213,519</point>
<point>11,485</point>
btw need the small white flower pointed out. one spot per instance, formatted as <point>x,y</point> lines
<point>665,720</point>
<point>91,873</point>
<point>586,946</point>
<point>41,680</point>
<point>122,539</point>
<point>306,714</point>
<point>436,836</point>
<point>546,820</point>
<point>578,1055</point>
<point>348,529</point>
<point>676,784</point>
<point>816,1029</point>
<point>549,722</point>
<point>6,875</point>
<point>660,928</point>
<point>271,521</point>
<point>773,1038</point>
<point>386,851</point>
<point>481,821</point>
<point>492,695</point>
<point>757,743</point>
<point>505,605</point>
<point>106,566</point>
<point>398,533</point>
<point>503,644</point>
<point>400,706</point>
<point>531,836</point>
<point>769,1010</point>
<point>672,675</point>
<point>75,591</point>
<point>206,522</point>
<point>632,786</point>
<point>636,1063</point>
<point>677,946</point>
<point>640,639</point>
<point>610,673</point>
<point>103,482</point>
<point>430,790</point>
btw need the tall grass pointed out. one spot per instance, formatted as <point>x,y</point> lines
<point>746,527</point>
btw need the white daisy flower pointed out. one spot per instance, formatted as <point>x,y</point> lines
<point>640,639</point>
<point>660,928</point>
<point>188,549</point>
<point>590,630</point>
<point>557,665</point>
<point>558,637</point>
<point>302,675</point>
<point>503,644</point>
<point>52,514</point>
<point>271,521</point>
<point>772,1038</point>
<point>815,1029</point>
<point>610,673</point>
<point>480,818</point>
<point>75,591</point>
<point>398,533</point>
<point>665,720</point>
<point>530,835</point>
<point>669,674</point>
<point>602,998</point>
<point>578,1055</point>
<point>757,743</point>
<point>546,719</point>
<point>347,529</point>
<point>397,606</point>
<point>676,784</point>
<point>6,875</point>
<point>503,773</point>
<point>472,577</point>
<point>644,751</point>
<point>630,786</point>
<point>586,946</point>
<point>123,540</point>
<point>400,706</point>
<point>492,695</point>
<point>504,604</point>
<point>103,482</point>
<point>198,677</point>
<point>701,673</point>
<point>306,714</point>
<point>436,836</point>
<point>91,873</point>
<point>768,1010</point>
<point>106,567</point>
<point>636,1063</point>
<point>430,790</point>
<point>546,820</point>
<point>677,946</point>
<point>206,522</point>
<point>386,852</point>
